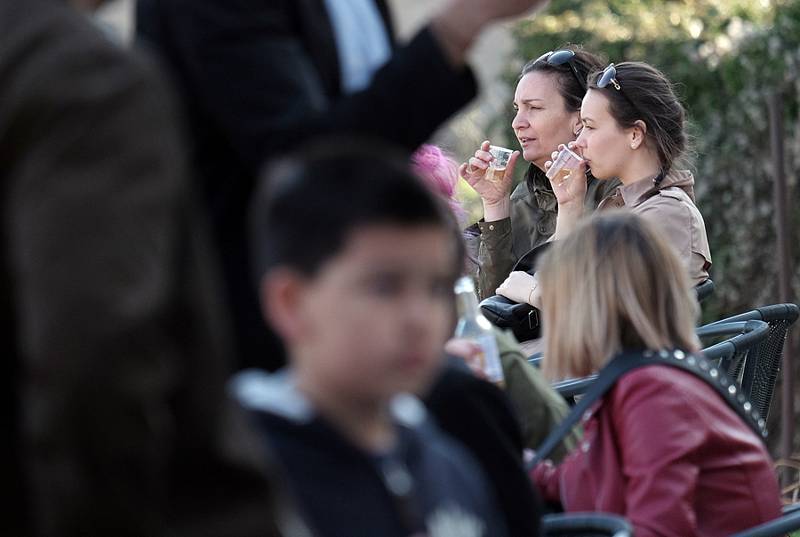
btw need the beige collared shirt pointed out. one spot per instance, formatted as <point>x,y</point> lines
<point>670,206</point>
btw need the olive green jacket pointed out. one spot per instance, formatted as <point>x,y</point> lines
<point>494,247</point>
<point>539,407</point>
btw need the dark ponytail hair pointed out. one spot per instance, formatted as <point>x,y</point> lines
<point>568,86</point>
<point>646,94</point>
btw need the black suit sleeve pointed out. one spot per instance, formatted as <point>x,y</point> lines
<point>478,415</point>
<point>251,69</point>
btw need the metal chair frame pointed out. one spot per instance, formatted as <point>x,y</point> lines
<point>781,526</point>
<point>737,355</point>
<point>744,344</point>
<point>704,289</point>
<point>759,381</point>
<point>585,525</point>
<point>569,388</point>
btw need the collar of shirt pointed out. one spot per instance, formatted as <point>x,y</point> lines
<point>636,193</point>
<point>362,41</point>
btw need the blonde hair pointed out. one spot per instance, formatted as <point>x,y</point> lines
<point>614,283</point>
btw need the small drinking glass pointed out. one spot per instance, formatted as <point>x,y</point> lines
<point>564,164</point>
<point>499,163</point>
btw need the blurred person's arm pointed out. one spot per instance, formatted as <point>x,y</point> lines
<point>460,22</point>
<point>121,410</point>
<point>252,72</point>
<point>91,214</point>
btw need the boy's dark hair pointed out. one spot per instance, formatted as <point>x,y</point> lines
<point>308,203</point>
<point>646,94</point>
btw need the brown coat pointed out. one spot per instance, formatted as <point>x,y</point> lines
<point>116,348</point>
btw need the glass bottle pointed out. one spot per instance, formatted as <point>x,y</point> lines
<point>473,326</point>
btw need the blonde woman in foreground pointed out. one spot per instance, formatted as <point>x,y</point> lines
<point>661,447</point>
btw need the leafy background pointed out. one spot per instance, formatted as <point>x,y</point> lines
<point>726,58</point>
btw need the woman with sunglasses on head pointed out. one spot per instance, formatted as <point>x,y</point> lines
<point>663,446</point>
<point>547,101</point>
<point>632,129</point>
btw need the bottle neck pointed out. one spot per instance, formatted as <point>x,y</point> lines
<point>467,304</point>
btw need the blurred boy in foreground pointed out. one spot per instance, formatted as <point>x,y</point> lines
<point>356,262</point>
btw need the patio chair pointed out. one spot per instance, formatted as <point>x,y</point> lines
<point>759,381</point>
<point>585,525</point>
<point>743,339</point>
<point>704,289</point>
<point>570,388</point>
<point>535,359</point>
<point>791,508</point>
<point>738,350</point>
<point>781,526</point>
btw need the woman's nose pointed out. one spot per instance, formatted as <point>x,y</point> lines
<point>519,121</point>
<point>580,141</point>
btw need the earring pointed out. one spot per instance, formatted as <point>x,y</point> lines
<point>633,146</point>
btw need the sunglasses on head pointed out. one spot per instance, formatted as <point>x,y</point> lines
<point>609,75</point>
<point>560,57</point>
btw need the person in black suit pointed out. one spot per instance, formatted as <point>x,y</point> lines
<point>262,76</point>
<point>116,344</point>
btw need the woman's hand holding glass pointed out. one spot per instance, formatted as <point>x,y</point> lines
<point>570,192</point>
<point>571,188</point>
<point>494,192</point>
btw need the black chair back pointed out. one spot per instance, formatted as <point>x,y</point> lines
<point>781,526</point>
<point>585,525</point>
<point>704,289</point>
<point>760,376</point>
<point>750,357</point>
<point>739,348</point>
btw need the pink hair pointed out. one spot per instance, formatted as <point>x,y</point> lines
<point>440,173</point>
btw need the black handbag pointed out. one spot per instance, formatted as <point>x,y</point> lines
<point>521,318</point>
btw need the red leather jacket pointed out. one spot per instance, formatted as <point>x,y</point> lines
<point>664,450</point>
